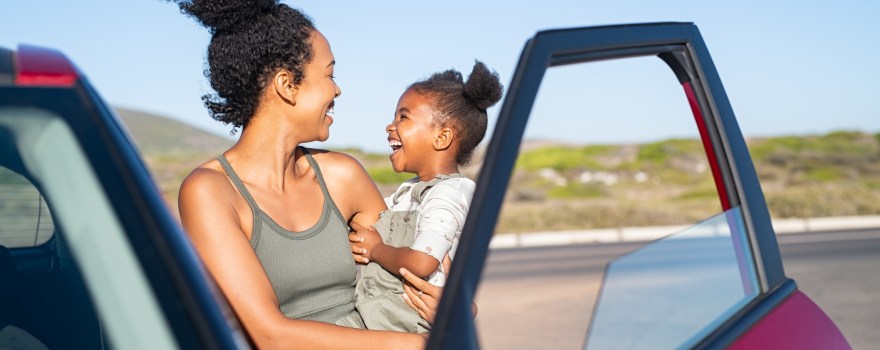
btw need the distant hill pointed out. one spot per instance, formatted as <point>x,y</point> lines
<point>155,134</point>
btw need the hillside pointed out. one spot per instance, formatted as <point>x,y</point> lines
<point>156,134</point>
<point>561,186</point>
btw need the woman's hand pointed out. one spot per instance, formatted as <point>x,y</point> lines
<point>421,295</point>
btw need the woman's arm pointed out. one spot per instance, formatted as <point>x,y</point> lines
<point>210,218</point>
<point>351,187</point>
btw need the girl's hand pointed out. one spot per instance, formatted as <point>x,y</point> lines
<point>363,241</point>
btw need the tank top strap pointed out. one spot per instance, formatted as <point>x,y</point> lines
<point>317,169</point>
<point>239,185</point>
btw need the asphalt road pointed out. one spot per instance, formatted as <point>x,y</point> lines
<point>542,298</point>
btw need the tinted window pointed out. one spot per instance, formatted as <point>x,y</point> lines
<point>25,220</point>
<point>673,292</point>
<point>89,265</point>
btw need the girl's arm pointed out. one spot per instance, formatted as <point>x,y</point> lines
<point>367,246</point>
<point>440,220</point>
<point>209,216</point>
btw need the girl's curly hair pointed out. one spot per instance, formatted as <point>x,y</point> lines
<point>250,41</point>
<point>462,105</point>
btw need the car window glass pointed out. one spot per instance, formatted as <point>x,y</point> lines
<point>25,220</point>
<point>43,298</point>
<point>673,292</point>
<point>611,159</point>
<point>93,273</point>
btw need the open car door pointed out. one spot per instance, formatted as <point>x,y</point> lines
<point>733,293</point>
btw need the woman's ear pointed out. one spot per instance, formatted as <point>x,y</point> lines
<point>284,86</point>
<point>443,140</point>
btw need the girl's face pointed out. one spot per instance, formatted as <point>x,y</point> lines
<point>316,93</point>
<point>411,134</point>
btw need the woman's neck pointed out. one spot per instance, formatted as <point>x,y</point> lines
<point>267,150</point>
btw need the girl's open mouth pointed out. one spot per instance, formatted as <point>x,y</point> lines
<point>395,145</point>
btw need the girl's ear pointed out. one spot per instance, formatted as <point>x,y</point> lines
<point>284,86</point>
<point>444,139</point>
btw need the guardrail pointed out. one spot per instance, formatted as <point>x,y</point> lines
<point>649,233</point>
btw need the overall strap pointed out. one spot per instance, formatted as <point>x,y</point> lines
<point>255,209</point>
<point>419,190</point>
<point>400,192</point>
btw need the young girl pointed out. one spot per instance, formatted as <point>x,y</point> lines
<point>437,124</point>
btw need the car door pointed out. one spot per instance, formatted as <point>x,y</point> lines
<point>749,300</point>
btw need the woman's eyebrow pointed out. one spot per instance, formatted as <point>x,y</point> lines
<point>333,62</point>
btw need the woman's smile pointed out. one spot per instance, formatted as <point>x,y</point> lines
<point>329,114</point>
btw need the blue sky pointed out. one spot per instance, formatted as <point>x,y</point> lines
<point>789,67</point>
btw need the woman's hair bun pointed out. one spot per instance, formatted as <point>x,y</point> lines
<point>483,87</point>
<point>223,15</point>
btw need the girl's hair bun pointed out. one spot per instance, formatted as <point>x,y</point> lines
<point>483,87</point>
<point>224,15</point>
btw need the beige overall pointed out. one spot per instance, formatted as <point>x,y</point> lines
<point>379,292</point>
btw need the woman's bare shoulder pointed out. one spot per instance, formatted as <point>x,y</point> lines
<point>337,162</point>
<point>209,174</point>
<point>208,200</point>
<point>350,186</point>
<point>207,181</point>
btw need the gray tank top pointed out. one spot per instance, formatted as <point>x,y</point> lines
<point>312,271</point>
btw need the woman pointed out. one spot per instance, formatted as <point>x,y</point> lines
<point>270,218</point>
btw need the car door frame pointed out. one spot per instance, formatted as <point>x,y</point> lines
<point>193,308</point>
<point>681,46</point>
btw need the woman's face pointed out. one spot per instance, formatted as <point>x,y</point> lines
<point>316,93</point>
<point>411,134</point>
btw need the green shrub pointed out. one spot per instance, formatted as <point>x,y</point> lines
<point>560,158</point>
<point>578,190</point>
<point>661,152</point>
<point>699,193</point>
<point>832,144</point>
<point>825,174</point>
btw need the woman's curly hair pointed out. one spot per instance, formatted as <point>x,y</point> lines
<point>250,41</point>
<point>462,105</point>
